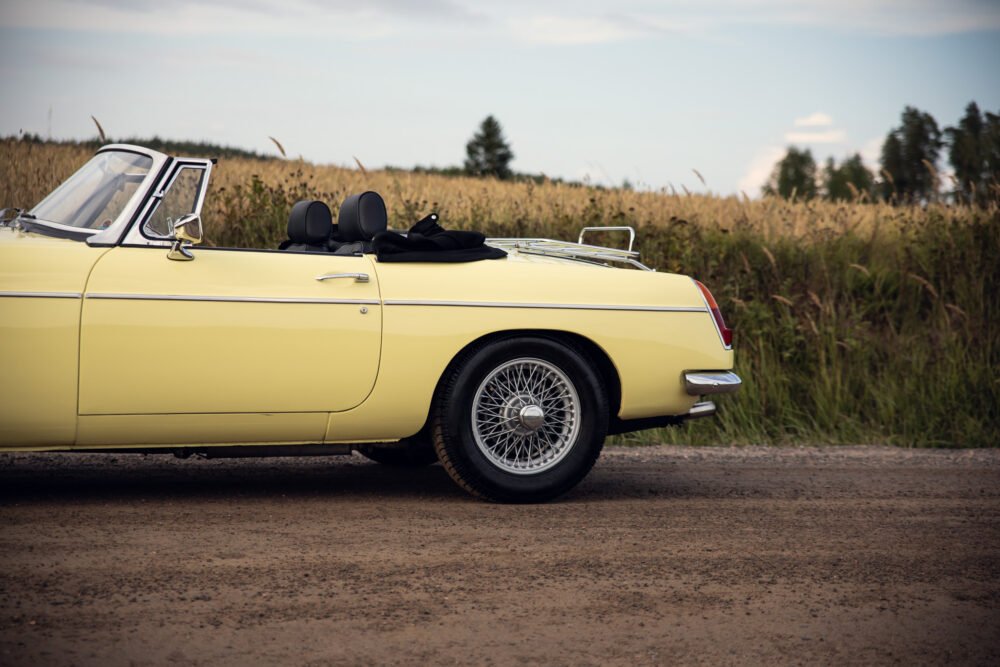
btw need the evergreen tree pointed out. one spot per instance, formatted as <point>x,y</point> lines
<point>488,153</point>
<point>794,176</point>
<point>910,155</point>
<point>974,154</point>
<point>847,181</point>
<point>965,153</point>
<point>892,166</point>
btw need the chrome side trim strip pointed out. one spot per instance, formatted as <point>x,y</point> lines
<point>229,299</point>
<point>42,295</point>
<point>554,306</point>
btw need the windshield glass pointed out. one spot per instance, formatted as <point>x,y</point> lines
<point>95,196</point>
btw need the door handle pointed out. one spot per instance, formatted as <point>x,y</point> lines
<point>358,277</point>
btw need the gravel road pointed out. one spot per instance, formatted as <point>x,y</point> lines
<point>663,555</point>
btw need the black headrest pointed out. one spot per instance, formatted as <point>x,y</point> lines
<point>362,217</point>
<point>310,223</point>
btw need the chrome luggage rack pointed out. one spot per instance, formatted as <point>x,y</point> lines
<point>580,251</point>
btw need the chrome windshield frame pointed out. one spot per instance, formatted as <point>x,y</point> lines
<point>116,229</point>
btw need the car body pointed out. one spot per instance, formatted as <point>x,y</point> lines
<point>110,345</point>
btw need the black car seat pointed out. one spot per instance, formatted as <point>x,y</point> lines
<point>310,225</point>
<point>361,217</point>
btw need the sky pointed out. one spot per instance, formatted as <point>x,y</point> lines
<point>599,90</point>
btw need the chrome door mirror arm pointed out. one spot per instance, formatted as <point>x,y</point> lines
<point>187,229</point>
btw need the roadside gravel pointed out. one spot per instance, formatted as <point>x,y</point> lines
<point>664,555</point>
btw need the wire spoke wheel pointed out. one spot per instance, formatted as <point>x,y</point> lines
<point>526,416</point>
<point>520,419</point>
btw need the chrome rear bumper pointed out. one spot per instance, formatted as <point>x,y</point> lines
<point>697,411</point>
<point>696,383</point>
<point>702,383</point>
<point>701,409</point>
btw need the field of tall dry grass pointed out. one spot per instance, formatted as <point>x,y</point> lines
<point>29,171</point>
<point>856,322</point>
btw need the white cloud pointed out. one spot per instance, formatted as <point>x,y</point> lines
<point>343,18</point>
<point>544,21</point>
<point>831,136</point>
<point>911,17</point>
<point>871,153</point>
<point>818,119</point>
<point>563,29</point>
<point>884,17</point>
<point>759,170</point>
<point>569,30</point>
<point>591,21</point>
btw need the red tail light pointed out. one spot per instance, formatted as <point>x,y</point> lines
<point>724,332</point>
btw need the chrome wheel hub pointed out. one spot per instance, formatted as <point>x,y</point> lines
<point>522,414</point>
<point>525,416</point>
<point>532,418</point>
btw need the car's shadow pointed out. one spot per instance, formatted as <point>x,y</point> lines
<point>130,477</point>
<point>41,478</point>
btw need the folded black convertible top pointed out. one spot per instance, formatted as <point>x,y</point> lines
<point>427,241</point>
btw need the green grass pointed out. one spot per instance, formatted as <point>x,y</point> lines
<point>888,338</point>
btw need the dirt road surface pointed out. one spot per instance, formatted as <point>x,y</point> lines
<point>662,556</point>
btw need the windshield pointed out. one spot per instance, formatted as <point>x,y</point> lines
<point>95,196</point>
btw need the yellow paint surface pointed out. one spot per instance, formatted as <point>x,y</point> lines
<point>38,337</point>
<point>150,356</point>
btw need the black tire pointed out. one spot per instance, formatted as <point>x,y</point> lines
<point>415,452</point>
<point>483,468</point>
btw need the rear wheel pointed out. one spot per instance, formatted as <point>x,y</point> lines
<point>520,420</point>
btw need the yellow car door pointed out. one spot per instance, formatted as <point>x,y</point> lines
<point>292,336</point>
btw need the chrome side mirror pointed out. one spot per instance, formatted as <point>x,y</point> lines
<point>187,229</point>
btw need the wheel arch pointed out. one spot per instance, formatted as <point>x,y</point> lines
<point>594,352</point>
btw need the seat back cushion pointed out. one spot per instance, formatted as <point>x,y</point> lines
<point>310,223</point>
<point>361,217</point>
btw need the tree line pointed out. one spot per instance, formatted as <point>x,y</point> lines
<point>186,148</point>
<point>909,163</point>
<point>908,173</point>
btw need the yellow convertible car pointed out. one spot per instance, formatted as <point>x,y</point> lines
<point>508,361</point>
